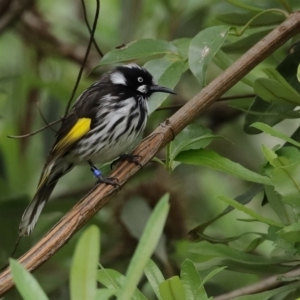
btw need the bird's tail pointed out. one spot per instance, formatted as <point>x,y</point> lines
<point>34,209</point>
<point>53,170</point>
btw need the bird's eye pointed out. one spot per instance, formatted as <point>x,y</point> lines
<point>140,79</point>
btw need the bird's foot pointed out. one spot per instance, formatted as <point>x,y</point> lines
<point>101,179</point>
<point>108,180</point>
<point>127,157</point>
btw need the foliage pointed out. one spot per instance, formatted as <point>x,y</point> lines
<point>252,160</point>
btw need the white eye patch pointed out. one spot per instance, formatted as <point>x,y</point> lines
<point>117,78</point>
<point>142,89</point>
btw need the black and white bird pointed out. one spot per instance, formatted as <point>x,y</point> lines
<point>104,123</point>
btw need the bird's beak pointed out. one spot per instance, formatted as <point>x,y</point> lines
<point>162,89</point>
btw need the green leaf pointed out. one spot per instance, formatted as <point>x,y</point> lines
<point>290,233</point>
<point>104,294</point>
<point>135,226</point>
<point>83,284</point>
<point>286,181</point>
<point>275,75</point>
<point>166,72</point>
<point>266,112</point>
<point>270,130</point>
<point>172,289</point>
<point>254,244</point>
<point>244,43</point>
<point>154,276</point>
<point>204,237</point>
<point>194,136</point>
<point>213,160</point>
<point>245,6</point>
<point>111,279</point>
<point>212,274</point>
<point>138,49</point>
<point>276,111</point>
<point>208,255</point>
<point>25,282</point>
<point>224,61</point>
<point>250,212</point>
<point>274,91</point>
<point>192,282</point>
<point>145,248</point>
<point>290,152</point>
<point>270,155</point>
<point>182,45</point>
<point>275,202</point>
<point>241,18</point>
<point>203,48</point>
<point>244,198</point>
<point>114,281</point>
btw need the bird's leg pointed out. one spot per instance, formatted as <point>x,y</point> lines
<point>100,178</point>
<point>131,158</point>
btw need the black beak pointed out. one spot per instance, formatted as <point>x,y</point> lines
<point>162,89</point>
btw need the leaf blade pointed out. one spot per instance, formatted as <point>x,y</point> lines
<point>138,49</point>
<point>145,248</point>
<point>213,160</point>
<point>26,284</point>
<point>203,48</point>
<point>83,284</point>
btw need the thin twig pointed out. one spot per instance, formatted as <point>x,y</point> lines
<point>85,57</point>
<point>35,132</point>
<point>89,28</point>
<point>218,100</point>
<point>48,125</point>
<point>97,198</point>
<point>43,117</point>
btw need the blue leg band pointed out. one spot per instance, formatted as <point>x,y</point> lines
<point>96,172</point>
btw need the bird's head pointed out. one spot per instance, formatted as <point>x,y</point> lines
<point>137,79</point>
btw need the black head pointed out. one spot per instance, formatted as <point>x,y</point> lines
<point>137,79</point>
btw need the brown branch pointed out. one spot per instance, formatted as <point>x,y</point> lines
<point>100,195</point>
<point>38,32</point>
<point>266,284</point>
<point>10,12</point>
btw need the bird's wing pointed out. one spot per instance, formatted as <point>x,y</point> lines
<point>79,121</point>
<point>75,126</point>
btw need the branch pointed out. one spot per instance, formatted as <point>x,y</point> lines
<point>266,284</point>
<point>98,197</point>
<point>11,12</point>
<point>87,52</point>
<point>90,29</point>
<point>37,31</point>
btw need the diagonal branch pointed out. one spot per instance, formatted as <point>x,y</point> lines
<point>100,195</point>
<point>266,284</point>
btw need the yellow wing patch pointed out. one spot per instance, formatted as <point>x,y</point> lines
<point>81,127</point>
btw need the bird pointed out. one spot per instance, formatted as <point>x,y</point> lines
<point>103,124</point>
